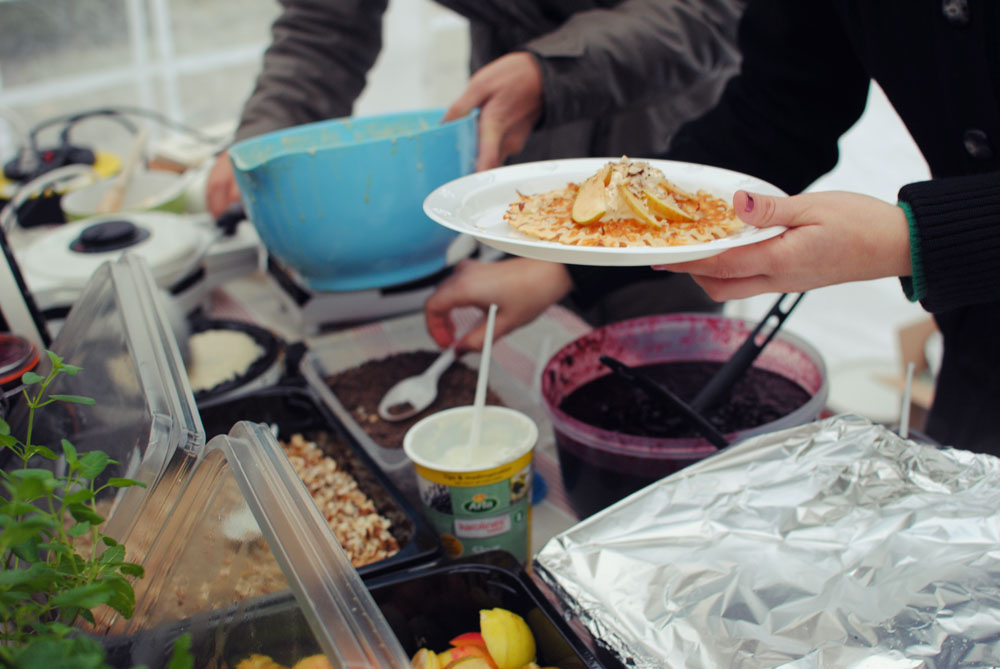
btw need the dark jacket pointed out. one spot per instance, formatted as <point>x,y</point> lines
<point>804,81</point>
<point>620,76</point>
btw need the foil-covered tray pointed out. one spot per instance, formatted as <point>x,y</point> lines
<point>833,544</point>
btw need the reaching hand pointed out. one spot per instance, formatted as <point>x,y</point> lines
<point>508,93</point>
<point>220,188</point>
<point>832,237</point>
<point>521,288</point>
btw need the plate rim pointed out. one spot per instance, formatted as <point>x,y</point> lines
<point>591,255</point>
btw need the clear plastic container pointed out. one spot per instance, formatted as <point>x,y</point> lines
<point>145,416</point>
<point>247,565</point>
<point>291,410</point>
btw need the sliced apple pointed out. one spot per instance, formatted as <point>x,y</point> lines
<point>425,659</point>
<point>665,207</point>
<point>470,662</point>
<point>590,203</point>
<point>468,650</point>
<point>313,662</point>
<point>469,639</point>
<point>638,207</point>
<point>258,661</point>
<point>508,638</point>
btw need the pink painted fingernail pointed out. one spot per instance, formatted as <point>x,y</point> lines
<point>749,205</point>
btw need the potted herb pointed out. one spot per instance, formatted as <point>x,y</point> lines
<point>57,564</point>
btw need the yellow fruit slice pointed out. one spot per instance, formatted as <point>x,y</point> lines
<point>590,203</point>
<point>313,662</point>
<point>425,659</point>
<point>470,663</point>
<point>508,638</point>
<point>638,207</point>
<point>258,661</point>
<point>666,207</point>
<point>466,651</point>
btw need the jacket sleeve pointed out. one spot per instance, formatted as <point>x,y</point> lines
<point>800,87</point>
<point>955,240</point>
<point>317,63</point>
<point>600,60</point>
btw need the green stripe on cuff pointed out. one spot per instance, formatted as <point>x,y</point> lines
<point>914,286</point>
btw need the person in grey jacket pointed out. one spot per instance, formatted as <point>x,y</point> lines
<point>551,79</point>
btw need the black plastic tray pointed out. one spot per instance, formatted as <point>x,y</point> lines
<point>294,409</point>
<point>426,607</point>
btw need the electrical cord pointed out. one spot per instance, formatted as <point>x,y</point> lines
<point>39,164</point>
<point>120,114</point>
<point>37,186</point>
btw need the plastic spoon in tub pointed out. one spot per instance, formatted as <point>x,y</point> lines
<point>484,373</point>
<point>904,413</point>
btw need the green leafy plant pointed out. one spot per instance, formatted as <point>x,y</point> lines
<point>57,564</point>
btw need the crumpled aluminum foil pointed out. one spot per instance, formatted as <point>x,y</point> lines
<point>834,544</point>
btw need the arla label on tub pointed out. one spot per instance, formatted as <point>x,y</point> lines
<point>478,497</point>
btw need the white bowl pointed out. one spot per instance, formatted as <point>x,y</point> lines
<point>153,190</point>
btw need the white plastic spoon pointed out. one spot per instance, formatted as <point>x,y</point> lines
<point>415,393</point>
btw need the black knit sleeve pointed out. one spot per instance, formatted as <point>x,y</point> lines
<point>957,224</point>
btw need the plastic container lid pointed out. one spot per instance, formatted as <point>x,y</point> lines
<point>247,565</point>
<point>229,524</point>
<point>145,416</point>
<point>17,356</point>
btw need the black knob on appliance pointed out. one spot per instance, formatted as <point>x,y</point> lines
<point>108,236</point>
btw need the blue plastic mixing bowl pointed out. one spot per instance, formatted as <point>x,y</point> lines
<point>340,202</point>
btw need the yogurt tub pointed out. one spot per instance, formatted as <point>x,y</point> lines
<point>478,497</point>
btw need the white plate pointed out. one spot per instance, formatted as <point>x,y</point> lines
<point>475,205</point>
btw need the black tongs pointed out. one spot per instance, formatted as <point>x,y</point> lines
<point>722,381</point>
<point>653,387</point>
